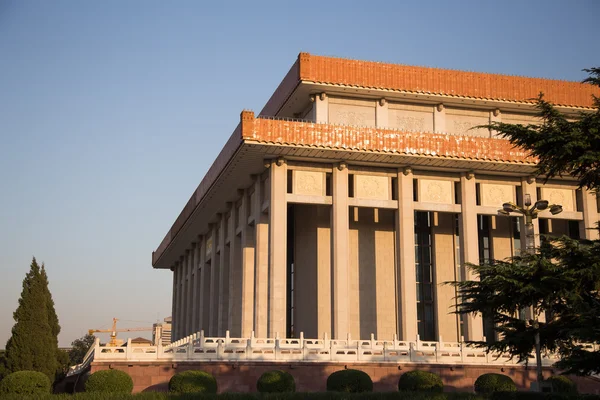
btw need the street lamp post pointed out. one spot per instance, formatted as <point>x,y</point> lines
<point>530,213</point>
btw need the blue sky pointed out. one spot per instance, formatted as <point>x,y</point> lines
<point>111,112</point>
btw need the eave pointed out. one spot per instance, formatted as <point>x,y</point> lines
<point>257,139</point>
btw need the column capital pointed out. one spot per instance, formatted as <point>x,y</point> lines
<point>407,171</point>
<point>280,161</point>
<point>440,107</point>
<point>530,180</point>
<point>342,165</point>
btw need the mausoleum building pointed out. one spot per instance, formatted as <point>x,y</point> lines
<point>358,190</point>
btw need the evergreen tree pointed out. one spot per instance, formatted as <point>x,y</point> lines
<point>561,279</point>
<point>32,345</point>
<point>562,145</point>
<point>53,322</point>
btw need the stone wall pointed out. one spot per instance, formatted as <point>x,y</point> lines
<point>312,377</point>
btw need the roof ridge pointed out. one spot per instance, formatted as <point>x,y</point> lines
<point>440,68</point>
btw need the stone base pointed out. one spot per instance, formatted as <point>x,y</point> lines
<point>312,377</point>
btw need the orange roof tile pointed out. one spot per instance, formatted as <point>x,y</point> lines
<point>477,85</point>
<point>344,137</point>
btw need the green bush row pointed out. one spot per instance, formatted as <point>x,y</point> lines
<point>347,381</point>
<point>307,396</point>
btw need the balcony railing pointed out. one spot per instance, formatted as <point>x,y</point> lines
<point>198,348</point>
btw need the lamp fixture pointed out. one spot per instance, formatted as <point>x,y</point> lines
<point>555,209</point>
<point>508,208</point>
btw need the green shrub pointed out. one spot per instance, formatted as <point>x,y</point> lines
<point>541,396</point>
<point>193,382</point>
<point>109,381</point>
<point>420,381</point>
<point>490,383</point>
<point>349,381</point>
<point>25,382</point>
<point>562,384</point>
<point>276,382</point>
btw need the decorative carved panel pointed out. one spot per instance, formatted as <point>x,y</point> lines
<point>372,187</point>
<point>347,114</point>
<point>462,122</point>
<point>309,183</point>
<point>494,195</point>
<point>564,197</point>
<point>407,118</point>
<point>434,191</point>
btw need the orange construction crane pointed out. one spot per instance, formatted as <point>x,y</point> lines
<point>114,330</point>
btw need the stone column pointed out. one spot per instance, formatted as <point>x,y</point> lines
<point>223,289</point>
<point>381,114</point>
<point>200,285</point>
<point>278,249</point>
<point>214,280</point>
<point>340,238</point>
<point>174,304</point>
<point>183,309</point>
<point>234,274</point>
<point>407,279</point>
<point>248,250</point>
<point>439,119</point>
<point>469,246</point>
<point>189,260</point>
<point>445,271</point>
<point>588,227</point>
<point>321,108</point>
<point>181,306</point>
<point>495,116</point>
<point>261,278</point>
<point>206,281</point>
<point>195,275</point>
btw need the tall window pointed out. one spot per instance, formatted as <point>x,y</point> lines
<point>424,270</point>
<point>515,224</point>
<point>485,255</point>
<point>485,242</point>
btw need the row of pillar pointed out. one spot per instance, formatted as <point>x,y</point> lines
<point>235,277</point>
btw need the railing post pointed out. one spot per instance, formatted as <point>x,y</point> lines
<point>159,350</point>
<point>128,351</point>
<point>302,347</point>
<point>190,349</point>
<point>220,349</point>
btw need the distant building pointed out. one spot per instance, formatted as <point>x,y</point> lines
<point>162,332</point>
<point>141,342</point>
<point>357,191</point>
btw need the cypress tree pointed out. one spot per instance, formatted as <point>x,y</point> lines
<point>53,322</point>
<point>32,345</point>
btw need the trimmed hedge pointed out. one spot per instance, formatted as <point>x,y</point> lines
<point>26,382</point>
<point>276,381</point>
<point>258,396</point>
<point>562,384</point>
<point>193,381</point>
<point>109,381</point>
<point>349,381</point>
<point>490,383</point>
<point>420,381</point>
<point>541,396</point>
